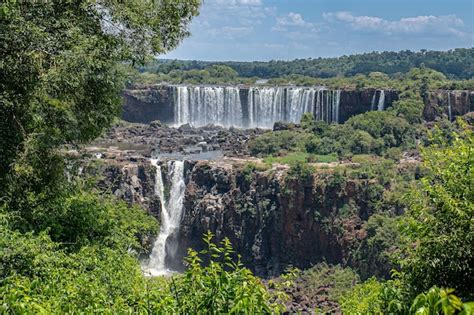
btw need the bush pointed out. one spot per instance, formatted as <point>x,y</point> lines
<point>224,286</point>
<point>300,171</point>
<point>365,298</point>
<point>275,142</point>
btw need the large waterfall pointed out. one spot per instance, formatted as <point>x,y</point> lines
<point>171,213</point>
<point>258,107</point>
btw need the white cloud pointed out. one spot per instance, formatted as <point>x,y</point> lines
<point>293,24</point>
<point>442,25</point>
<point>293,19</point>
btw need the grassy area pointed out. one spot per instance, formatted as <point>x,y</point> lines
<point>294,157</point>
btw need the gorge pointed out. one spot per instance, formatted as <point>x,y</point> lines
<point>252,210</point>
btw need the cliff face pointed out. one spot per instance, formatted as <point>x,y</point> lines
<point>272,222</point>
<point>157,103</point>
<point>148,104</point>
<point>449,103</point>
<point>357,102</point>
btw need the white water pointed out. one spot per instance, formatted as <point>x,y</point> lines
<point>201,105</point>
<point>381,104</point>
<point>171,214</point>
<point>372,103</point>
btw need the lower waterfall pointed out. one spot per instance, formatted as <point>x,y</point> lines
<point>171,214</point>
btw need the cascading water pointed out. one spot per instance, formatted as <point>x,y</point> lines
<point>374,98</point>
<point>171,214</point>
<point>381,104</point>
<point>450,114</point>
<point>202,105</point>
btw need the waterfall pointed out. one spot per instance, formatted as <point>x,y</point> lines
<point>202,105</point>
<point>381,104</point>
<point>374,98</point>
<point>336,102</point>
<point>171,214</point>
<point>450,114</point>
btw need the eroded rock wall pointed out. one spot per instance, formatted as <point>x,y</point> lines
<point>273,223</point>
<point>438,104</point>
<point>151,103</point>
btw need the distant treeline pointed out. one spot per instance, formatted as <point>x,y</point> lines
<point>454,64</point>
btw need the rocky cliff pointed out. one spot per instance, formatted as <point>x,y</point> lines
<point>448,103</point>
<point>273,219</point>
<point>157,103</point>
<point>148,104</point>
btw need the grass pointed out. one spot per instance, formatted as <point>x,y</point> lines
<point>295,157</point>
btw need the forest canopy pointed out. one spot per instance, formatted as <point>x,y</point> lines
<point>454,64</point>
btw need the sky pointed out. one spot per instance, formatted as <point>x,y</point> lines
<point>249,30</point>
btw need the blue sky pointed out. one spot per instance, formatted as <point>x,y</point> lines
<point>247,30</point>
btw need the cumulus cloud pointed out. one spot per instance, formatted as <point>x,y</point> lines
<point>294,22</point>
<point>292,19</point>
<point>445,24</point>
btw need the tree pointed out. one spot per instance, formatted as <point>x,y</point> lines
<point>438,230</point>
<point>60,77</point>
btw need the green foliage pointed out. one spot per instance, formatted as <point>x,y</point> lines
<point>364,298</point>
<point>339,280</point>
<point>223,286</point>
<point>295,157</point>
<point>39,277</point>
<point>457,63</point>
<point>372,257</point>
<point>300,171</point>
<point>61,75</point>
<point>436,301</point>
<point>438,235</point>
<point>393,131</point>
<point>275,142</point>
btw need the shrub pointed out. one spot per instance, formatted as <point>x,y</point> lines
<point>300,171</point>
<point>223,286</point>
<point>364,298</point>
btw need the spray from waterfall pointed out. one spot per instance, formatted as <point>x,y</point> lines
<point>171,214</point>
